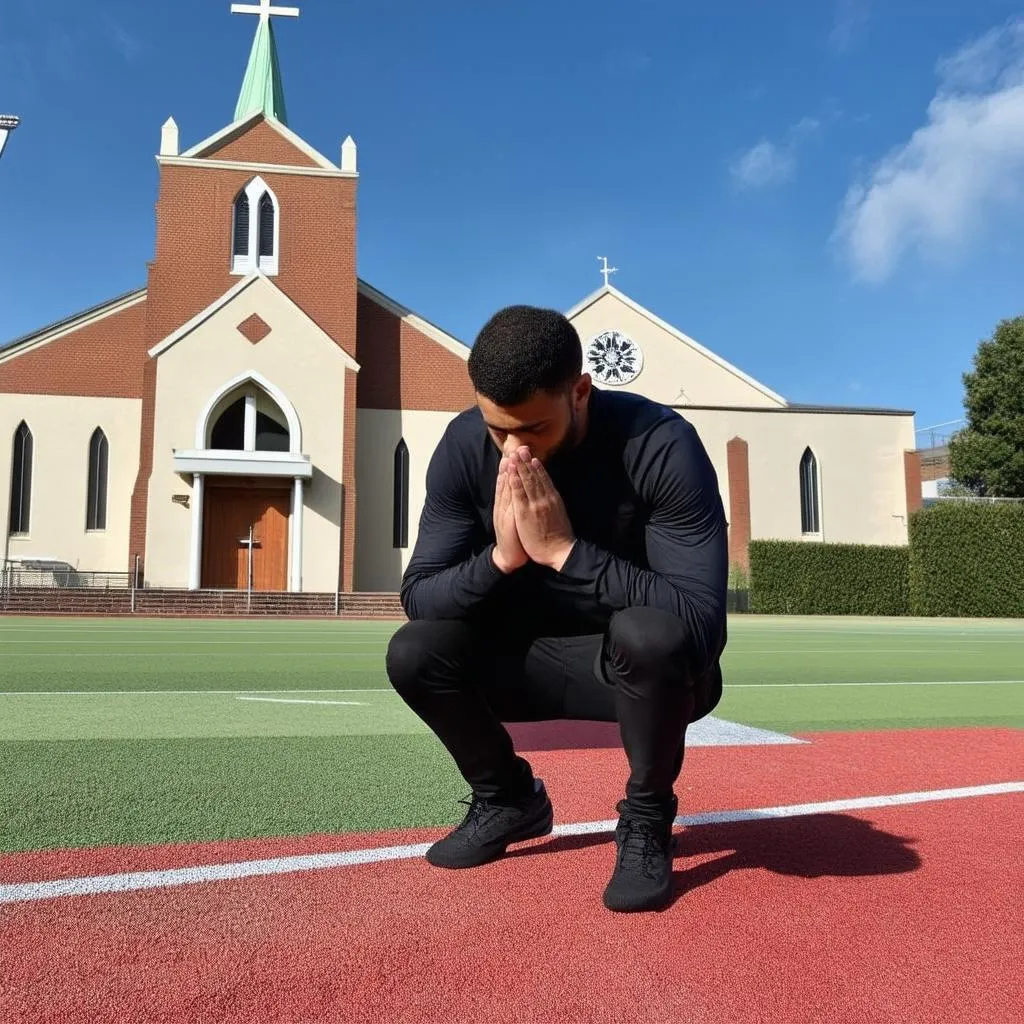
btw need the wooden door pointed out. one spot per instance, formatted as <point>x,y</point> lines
<point>229,513</point>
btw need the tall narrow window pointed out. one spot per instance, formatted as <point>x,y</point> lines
<point>21,480</point>
<point>96,510</point>
<point>266,225</point>
<point>401,514</point>
<point>240,246</point>
<point>810,520</point>
<point>256,228</point>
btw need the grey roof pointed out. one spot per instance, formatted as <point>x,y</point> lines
<point>836,410</point>
<point>68,320</point>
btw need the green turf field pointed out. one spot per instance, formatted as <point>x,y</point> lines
<point>141,731</point>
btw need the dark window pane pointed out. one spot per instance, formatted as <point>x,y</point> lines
<point>270,435</point>
<point>266,225</point>
<point>96,513</point>
<point>241,240</point>
<point>21,480</point>
<point>809,518</point>
<point>229,431</point>
<point>401,501</point>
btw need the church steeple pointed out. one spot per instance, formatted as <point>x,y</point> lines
<point>262,89</point>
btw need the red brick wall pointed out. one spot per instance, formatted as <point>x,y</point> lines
<point>934,463</point>
<point>401,368</point>
<point>912,476</point>
<point>192,264</point>
<point>101,360</point>
<point>738,456</point>
<point>261,144</point>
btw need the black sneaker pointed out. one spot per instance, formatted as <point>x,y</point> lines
<point>490,827</point>
<point>642,879</point>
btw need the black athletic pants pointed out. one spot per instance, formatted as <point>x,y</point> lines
<point>464,682</point>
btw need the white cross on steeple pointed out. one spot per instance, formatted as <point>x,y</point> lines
<point>606,270</point>
<point>264,10</point>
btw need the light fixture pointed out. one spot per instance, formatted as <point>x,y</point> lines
<point>8,122</point>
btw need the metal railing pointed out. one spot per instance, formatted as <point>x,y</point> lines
<point>18,575</point>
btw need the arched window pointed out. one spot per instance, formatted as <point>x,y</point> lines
<point>250,421</point>
<point>21,480</point>
<point>266,226</point>
<point>401,496</point>
<point>256,230</point>
<point>810,518</point>
<point>240,246</point>
<point>96,508</point>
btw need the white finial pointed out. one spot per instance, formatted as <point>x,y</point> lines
<point>606,270</point>
<point>348,155</point>
<point>264,10</point>
<point>169,138</point>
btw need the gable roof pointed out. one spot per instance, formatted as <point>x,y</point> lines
<point>218,304</point>
<point>58,329</point>
<point>425,327</point>
<point>202,150</point>
<point>676,333</point>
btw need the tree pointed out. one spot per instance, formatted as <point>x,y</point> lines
<point>987,456</point>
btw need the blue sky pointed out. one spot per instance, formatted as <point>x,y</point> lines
<point>825,192</point>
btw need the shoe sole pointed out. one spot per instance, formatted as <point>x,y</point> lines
<point>537,830</point>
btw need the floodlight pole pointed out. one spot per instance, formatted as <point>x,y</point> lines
<point>8,122</point>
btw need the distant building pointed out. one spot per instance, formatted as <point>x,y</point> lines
<point>257,395</point>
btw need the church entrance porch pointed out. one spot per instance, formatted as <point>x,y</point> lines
<point>245,534</point>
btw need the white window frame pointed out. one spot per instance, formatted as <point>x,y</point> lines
<point>251,261</point>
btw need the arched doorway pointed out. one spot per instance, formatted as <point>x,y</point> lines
<point>248,475</point>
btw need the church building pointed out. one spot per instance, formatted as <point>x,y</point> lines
<point>259,416</point>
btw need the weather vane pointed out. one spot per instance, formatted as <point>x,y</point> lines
<point>606,270</point>
<point>264,10</point>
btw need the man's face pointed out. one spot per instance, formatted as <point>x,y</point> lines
<point>549,424</point>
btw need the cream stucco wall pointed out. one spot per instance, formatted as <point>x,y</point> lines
<point>861,482</point>
<point>860,475</point>
<point>674,371</point>
<point>379,565</point>
<point>61,430</point>
<point>296,358</point>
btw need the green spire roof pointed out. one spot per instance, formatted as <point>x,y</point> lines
<point>262,91</point>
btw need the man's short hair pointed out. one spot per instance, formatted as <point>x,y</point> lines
<point>522,350</point>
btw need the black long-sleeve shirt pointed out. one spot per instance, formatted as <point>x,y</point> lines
<point>644,502</point>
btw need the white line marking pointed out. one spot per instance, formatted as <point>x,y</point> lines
<point>151,693</point>
<point>388,689</point>
<point>251,641</point>
<point>281,700</point>
<point>25,892</point>
<point>937,682</point>
<point>339,654</point>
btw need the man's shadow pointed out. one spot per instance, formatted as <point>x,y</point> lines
<point>810,846</point>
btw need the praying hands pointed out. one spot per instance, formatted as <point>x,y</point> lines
<point>530,519</point>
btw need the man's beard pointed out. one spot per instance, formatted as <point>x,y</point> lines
<point>560,454</point>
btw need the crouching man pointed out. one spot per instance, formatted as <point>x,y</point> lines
<point>571,563</point>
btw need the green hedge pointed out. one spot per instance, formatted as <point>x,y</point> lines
<point>967,559</point>
<point>797,578</point>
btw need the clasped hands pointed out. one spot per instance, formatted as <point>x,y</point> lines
<point>530,519</point>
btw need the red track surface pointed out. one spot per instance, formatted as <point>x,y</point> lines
<point>907,914</point>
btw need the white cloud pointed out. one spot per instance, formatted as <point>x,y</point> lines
<point>848,23</point>
<point>770,163</point>
<point>937,191</point>
<point>763,164</point>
